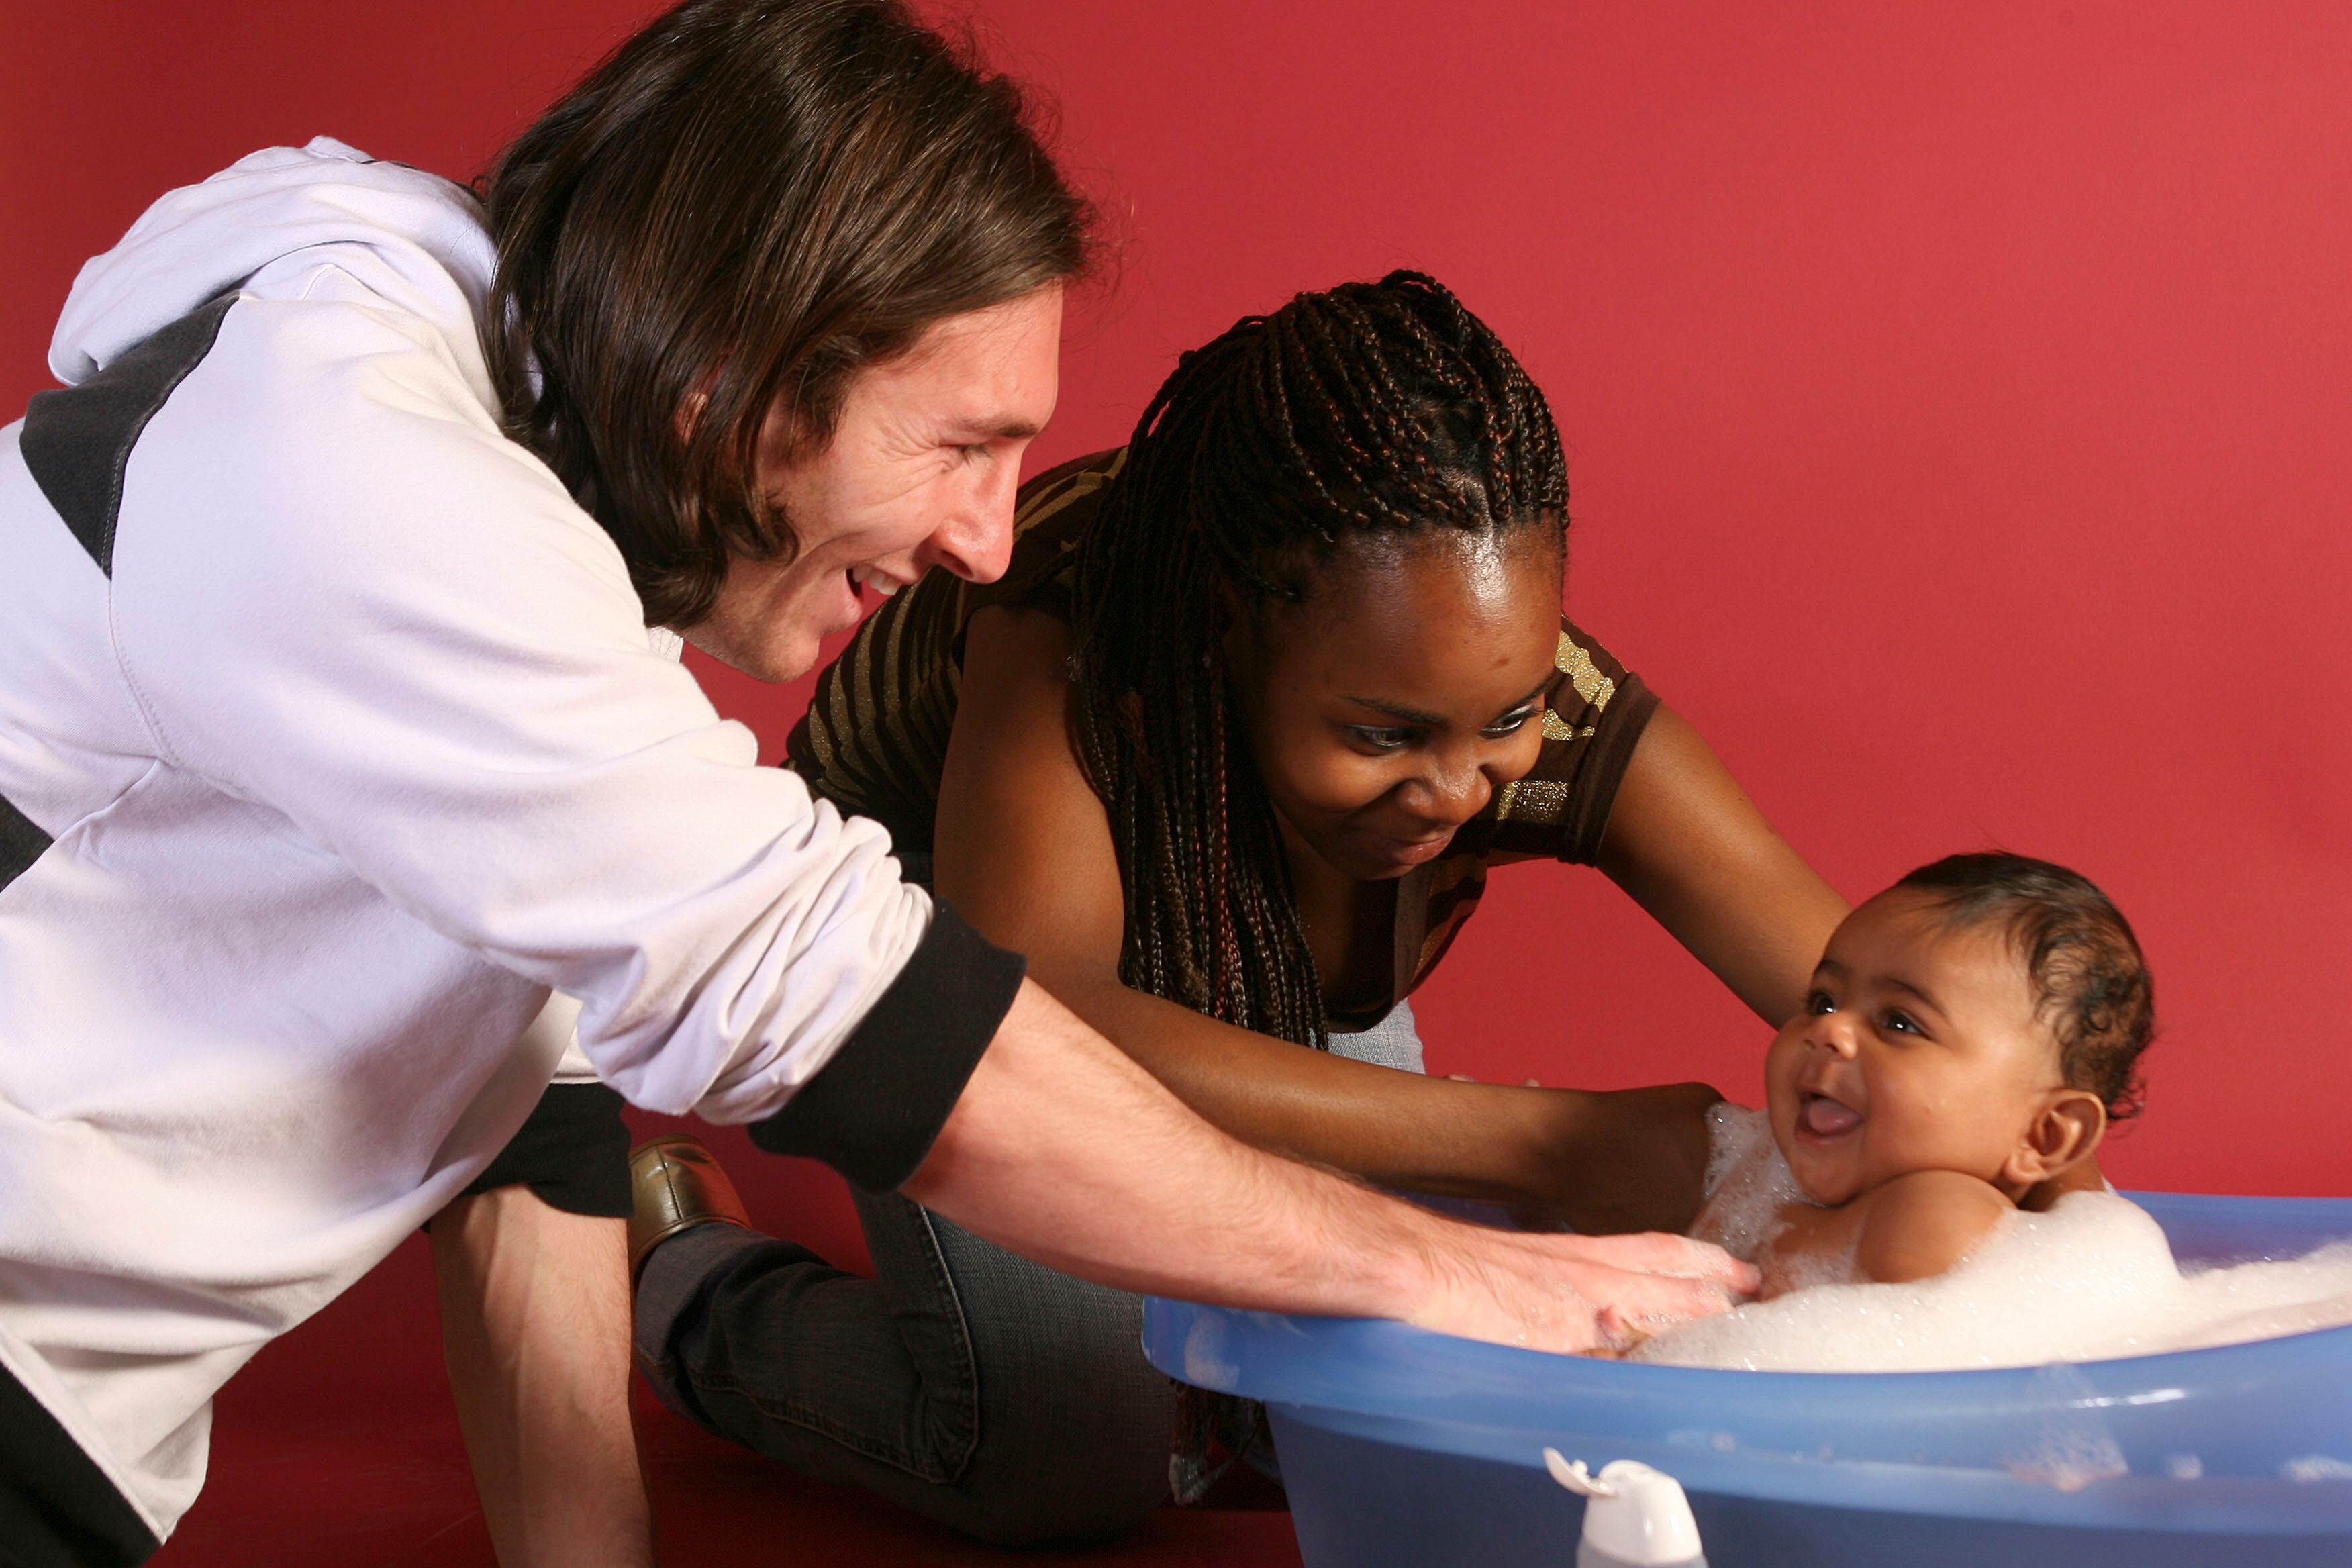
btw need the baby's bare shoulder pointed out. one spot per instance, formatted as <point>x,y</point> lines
<point>1922,1224</point>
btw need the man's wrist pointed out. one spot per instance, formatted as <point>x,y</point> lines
<point>1408,1265</point>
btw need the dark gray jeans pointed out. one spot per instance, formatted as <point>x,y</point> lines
<point>979,1389</point>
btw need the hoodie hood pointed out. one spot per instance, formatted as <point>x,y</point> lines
<point>414,237</point>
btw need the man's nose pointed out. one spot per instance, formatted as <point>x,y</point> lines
<point>975,542</point>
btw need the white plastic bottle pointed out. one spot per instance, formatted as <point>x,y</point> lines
<point>1634,1517</point>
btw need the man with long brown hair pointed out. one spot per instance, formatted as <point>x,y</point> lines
<point>348,775</point>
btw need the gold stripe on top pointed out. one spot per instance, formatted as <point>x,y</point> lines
<point>1556,728</point>
<point>837,712</point>
<point>820,740</point>
<point>1541,801</point>
<point>1593,687</point>
<point>898,687</point>
<point>1054,498</point>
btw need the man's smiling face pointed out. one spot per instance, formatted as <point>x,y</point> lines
<point>921,472</point>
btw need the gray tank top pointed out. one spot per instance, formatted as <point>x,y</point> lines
<point>1393,1042</point>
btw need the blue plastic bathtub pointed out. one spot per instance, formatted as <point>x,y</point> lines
<point>1412,1449</point>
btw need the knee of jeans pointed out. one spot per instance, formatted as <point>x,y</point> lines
<point>1070,1510</point>
<point>1071,1484</point>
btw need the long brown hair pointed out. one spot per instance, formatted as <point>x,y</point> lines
<point>1381,407</point>
<point>747,202</point>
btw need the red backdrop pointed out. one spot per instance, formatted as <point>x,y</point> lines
<point>1955,394</point>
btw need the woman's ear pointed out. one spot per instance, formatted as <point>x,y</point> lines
<point>2065,1131</point>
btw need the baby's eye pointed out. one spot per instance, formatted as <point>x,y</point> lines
<point>1819,1002</point>
<point>1898,1022</point>
<point>1379,737</point>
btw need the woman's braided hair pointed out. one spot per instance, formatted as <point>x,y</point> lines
<point>1381,408</point>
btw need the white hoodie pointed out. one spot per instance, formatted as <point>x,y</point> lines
<point>332,739</point>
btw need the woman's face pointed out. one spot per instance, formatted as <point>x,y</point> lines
<point>1385,709</point>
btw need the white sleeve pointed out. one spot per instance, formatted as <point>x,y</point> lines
<point>340,592</point>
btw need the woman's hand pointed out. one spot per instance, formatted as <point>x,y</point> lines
<point>1624,1160</point>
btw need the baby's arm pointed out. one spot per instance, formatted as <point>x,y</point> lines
<point>1912,1227</point>
<point>1919,1226</point>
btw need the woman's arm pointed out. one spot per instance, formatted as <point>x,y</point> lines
<point>1023,849</point>
<point>1691,848</point>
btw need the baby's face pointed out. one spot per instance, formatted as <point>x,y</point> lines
<point>1918,1049</point>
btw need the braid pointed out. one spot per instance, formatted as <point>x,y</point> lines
<point>1376,407</point>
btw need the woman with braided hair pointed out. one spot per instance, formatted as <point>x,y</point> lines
<point>1228,752</point>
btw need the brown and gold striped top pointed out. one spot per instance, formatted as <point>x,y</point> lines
<point>876,738</point>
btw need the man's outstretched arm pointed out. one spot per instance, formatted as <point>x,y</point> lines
<point>1063,1149</point>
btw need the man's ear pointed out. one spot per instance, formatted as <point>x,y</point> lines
<point>2065,1131</point>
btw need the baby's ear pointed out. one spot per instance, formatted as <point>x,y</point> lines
<point>2064,1132</point>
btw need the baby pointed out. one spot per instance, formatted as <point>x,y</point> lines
<point>1969,1033</point>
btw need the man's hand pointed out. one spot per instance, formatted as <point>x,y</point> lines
<point>535,1325</point>
<point>1578,1293</point>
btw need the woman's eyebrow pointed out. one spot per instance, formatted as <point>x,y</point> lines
<point>1397,710</point>
<point>1532,696</point>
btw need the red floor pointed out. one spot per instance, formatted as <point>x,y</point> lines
<point>339,1446</point>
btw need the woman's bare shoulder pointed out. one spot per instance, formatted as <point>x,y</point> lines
<point>1015,670</point>
<point>1021,842</point>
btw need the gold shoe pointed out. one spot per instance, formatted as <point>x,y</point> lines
<point>675,1184</point>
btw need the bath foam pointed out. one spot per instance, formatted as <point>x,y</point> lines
<point>2093,1279</point>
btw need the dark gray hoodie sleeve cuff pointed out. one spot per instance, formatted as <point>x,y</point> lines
<point>873,1111</point>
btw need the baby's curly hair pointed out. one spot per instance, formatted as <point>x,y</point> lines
<point>2090,980</point>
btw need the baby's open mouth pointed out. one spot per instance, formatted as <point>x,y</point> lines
<point>1821,1117</point>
